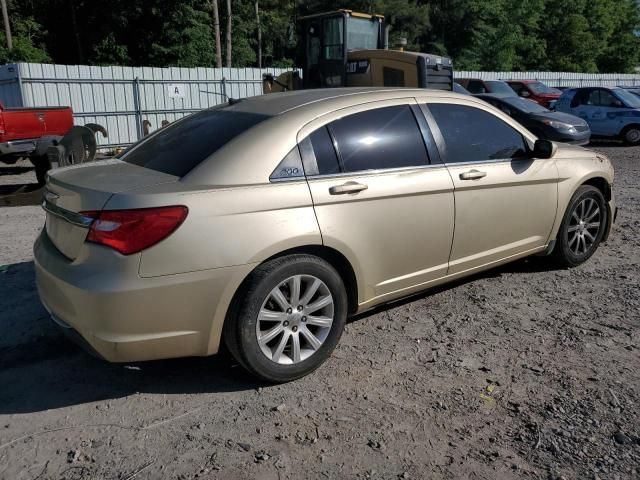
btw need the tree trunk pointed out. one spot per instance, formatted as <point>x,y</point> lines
<point>7,26</point>
<point>229,25</point>
<point>216,28</point>
<point>259,35</point>
<point>76,34</point>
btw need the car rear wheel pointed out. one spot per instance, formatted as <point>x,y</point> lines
<point>582,228</point>
<point>288,319</point>
<point>631,135</point>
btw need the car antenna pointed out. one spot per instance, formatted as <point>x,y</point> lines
<point>229,99</point>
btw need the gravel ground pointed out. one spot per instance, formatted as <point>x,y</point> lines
<point>522,372</point>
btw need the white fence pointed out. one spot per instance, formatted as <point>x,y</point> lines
<point>129,101</point>
<point>560,79</point>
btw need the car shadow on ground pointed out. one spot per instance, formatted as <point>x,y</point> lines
<point>40,369</point>
<point>603,142</point>
<point>14,170</point>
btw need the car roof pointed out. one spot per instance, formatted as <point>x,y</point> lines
<point>576,89</point>
<point>520,80</point>
<point>499,96</point>
<point>278,103</point>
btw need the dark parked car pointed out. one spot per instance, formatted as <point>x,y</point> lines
<point>460,89</point>
<point>556,126</point>
<point>476,85</point>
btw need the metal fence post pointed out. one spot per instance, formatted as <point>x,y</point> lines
<point>137,107</point>
<point>223,82</point>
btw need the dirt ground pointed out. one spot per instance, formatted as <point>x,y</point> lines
<point>523,372</point>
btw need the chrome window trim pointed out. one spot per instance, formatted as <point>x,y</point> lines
<point>369,173</point>
<point>499,160</point>
<point>71,217</point>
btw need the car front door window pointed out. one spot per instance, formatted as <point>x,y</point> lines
<point>474,135</point>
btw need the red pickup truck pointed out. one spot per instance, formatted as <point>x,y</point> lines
<point>28,132</point>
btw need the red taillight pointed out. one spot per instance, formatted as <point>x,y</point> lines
<point>130,231</point>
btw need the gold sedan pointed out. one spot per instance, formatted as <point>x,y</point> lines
<point>264,223</point>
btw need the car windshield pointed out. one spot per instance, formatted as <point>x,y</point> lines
<point>499,87</point>
<point>524,105</point>
<point>460,89</point>
<point>181,146</point>
<point>540,88</point>
<point>629,99</point>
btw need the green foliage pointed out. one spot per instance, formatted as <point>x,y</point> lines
<point>28,46</point>
<point>562,35</point>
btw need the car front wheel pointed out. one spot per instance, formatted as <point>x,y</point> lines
<point>288,319</point>
<point>631,135</point>
<point>582,228</point>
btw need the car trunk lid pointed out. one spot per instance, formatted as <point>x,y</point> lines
<point>84,188</point>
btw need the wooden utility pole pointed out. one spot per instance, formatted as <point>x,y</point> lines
<point>7,27</point>
<point>259,35</point>
<point>229,26</point>
<point>216,28</point>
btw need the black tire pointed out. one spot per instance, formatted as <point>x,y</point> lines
<point>43,165</point>
<point>564,252</point>
<point>631,135</point>
<point>240,335</point>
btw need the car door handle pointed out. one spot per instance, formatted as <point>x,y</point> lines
<point>349,187</point>
<point>472,175</point>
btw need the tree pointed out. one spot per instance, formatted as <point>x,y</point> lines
<point>27,43</point>
<point>229,30</point>
<point>216,27</point>
<point>259,34</point>
<point>571,35</point>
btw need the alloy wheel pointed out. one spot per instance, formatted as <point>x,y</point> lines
<point>584,226</point>
<point>295,319</point>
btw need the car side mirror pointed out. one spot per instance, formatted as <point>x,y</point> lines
<point>544,149</point>
<point>525,94</point>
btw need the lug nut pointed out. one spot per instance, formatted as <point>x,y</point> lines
<point>286,323</point>
<point>289,310</point>
<point>299,308</point>
<point>295,329</point>
<point>304,319</point>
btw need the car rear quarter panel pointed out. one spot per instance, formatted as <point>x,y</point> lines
<point>226,226</point>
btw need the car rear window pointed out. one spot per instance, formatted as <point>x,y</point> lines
<point>181,146</point>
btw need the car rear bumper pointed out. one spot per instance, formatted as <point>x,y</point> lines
<point>17,147</point>
<point>122,317</point>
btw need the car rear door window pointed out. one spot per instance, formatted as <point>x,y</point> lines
<point>474,135</point>
<point>181,146</point>
<point>476,86</point>
<point>517,87</point>
<point>381,138</point>
<point>325,152</point>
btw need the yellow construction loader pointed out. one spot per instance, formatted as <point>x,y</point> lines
<point>346,48</point>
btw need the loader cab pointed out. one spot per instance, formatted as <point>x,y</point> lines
<point>326,40</point>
